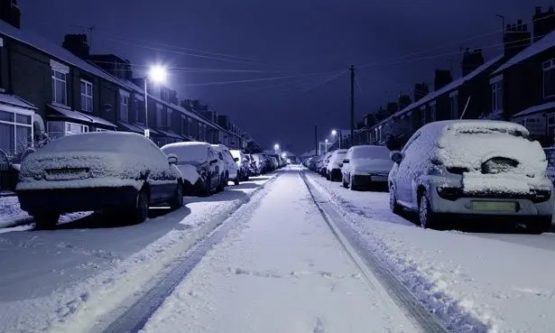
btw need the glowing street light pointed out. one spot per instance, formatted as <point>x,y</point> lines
<point>284,154</point>
<point>326,143</point>
<point>157,74</point>
<point>276,146</point>
<point>335,133</point>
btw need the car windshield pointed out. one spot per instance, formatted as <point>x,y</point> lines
<point>192,154</point>
<point>370,153</point>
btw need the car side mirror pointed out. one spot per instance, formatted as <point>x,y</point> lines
<point>214,161</point>
<point>236,159</point>
<point>396,156</point>
<point>172,159</point>
<point>345,161</point>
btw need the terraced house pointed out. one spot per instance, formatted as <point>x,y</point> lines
<point>492,89</point>
<point>48,91</point>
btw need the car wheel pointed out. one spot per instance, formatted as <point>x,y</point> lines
<point>140,212</point>
<point>426,217</point>
<point>393,205</point>
<point>352,186</point>
<point>47,220</point>
<point>541,225</point>
<point>221,185</point>
<point>177,200</point>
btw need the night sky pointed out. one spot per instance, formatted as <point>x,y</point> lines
<point>290,56</point>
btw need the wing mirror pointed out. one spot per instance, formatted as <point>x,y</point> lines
<point>345,161</point>
<point>396,156</point>
<point>236,159</point>
<point>172,159</point>
<point>214,161</point>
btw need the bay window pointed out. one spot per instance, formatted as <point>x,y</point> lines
<point>16,131</point>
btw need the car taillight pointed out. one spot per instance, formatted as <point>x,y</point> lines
<point>540,195</point>
<point>449,193</point>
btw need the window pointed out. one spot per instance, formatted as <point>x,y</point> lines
<point>454,104</point>
<point>59,82</point>
<point>497,94</point>
<point>123,106</point>
<point>16,131</point>
<point>549,78</point>
<point>86,96</point>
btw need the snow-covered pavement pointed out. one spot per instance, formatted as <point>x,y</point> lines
<point>505,281</point>
<point>282,270</point>
<point>48,276</point>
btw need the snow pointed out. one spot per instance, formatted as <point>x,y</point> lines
<point>473,281</point>
<point>282,270</point>
<point>470,144</point>
<point>97,162</point>
<point>15,101</point>
<point>89,268</point>
<point>540,46</point>
<point>535,109</point>
<point>10,212</point>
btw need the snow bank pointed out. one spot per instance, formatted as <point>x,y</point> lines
<point>472,282</point>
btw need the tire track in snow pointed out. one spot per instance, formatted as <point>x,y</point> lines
<point>137,315</point>
<point>371,266</point>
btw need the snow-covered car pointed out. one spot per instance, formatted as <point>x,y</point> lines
<point>335,163</point>
<point>259,162</point>
<point>253,166</point>
<point>242,163</point>
<point>199,165</point>
<point>122,172</point>
<point>231,168</point>
<point>473,169</point>
<point>365,166</point>
<point>323,167</point>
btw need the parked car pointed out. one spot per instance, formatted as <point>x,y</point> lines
<point>199,165</point>
<point>122,172</point>
<point>259,162</point>
<point>472,169</point>
<point>333,169</point>
<point>253,166</point>
<point>365,166</point>
<point>242,163</point>
<point>231,168</point>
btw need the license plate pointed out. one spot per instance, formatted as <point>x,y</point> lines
<point>494,206</point>
<point>382,179</point>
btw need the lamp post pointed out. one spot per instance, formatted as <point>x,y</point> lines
<point>326,145</point>
<point>157,74</point>
<point>276,148</point>
<point>335,133</point>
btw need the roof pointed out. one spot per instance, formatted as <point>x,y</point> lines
<point>15,101</point>
<point>547,42</point>
<point>535,109</point>
<point>61,54</point>
<point>449,87</point>
<point>79,116</point>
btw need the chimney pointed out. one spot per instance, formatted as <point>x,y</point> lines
<point>544,22</point>
<point>420,90</point>
<point>442,78</point>
<point>471,61</point>
<point>516,38</point>
<point>10,13</point>
<point>77,44</point>
<point>404,101</point>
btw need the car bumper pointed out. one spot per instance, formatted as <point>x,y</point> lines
<point>368,180</point>
<point>482,206</point>
<point>77,199</point>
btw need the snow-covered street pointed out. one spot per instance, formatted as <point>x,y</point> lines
<point>288,252</point>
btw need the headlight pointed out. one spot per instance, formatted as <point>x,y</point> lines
<point>449,192</point>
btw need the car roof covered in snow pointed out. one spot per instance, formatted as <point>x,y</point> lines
<point>461,125</point>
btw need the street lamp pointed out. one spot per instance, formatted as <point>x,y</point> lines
<point>276,146</point>
<point>326,145</point>
<point>284,155</point>
<point>157,74</point>
<point>335,133</point>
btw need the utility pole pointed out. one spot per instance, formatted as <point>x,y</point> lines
<point>316,139</point>
<point>352,69</point>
